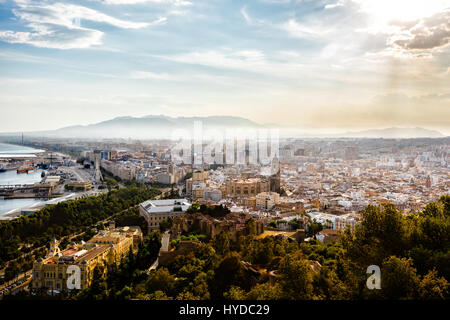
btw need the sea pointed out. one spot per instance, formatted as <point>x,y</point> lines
<point>11,177</point>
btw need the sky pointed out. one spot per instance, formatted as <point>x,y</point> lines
<point>323,65</point>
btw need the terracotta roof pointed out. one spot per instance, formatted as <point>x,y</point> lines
<point>94,252</point>
<point>69,252</point>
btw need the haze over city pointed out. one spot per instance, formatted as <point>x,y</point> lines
<point>325,66</point>
<point>221,156</point>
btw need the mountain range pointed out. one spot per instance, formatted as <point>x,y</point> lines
<point>395,133</point>
<point>160,126</point>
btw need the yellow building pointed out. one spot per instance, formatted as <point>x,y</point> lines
<point>121,241</point>
<point>105,248</point>
<point>247,187</point>
<point>267,200</point>
<point>79,185</point>
<point>199,175</point>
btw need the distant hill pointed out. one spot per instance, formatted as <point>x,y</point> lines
<point>394,133</point>
<point>162,127</point>
<point>157,126</point>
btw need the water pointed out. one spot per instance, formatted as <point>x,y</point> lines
<point>10,150</point>
<point>11,177</point>
<point>13,204</point>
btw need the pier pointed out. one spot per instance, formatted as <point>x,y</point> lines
<point>8,191</point>
<point>27,191</point>
<point>15,186</point>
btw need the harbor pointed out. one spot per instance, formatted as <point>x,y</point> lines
<point>31,179</point>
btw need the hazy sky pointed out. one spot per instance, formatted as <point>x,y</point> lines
<point>329,64</point>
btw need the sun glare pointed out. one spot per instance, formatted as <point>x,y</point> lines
<point>382,12</point>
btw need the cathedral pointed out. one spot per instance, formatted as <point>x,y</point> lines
<point>275,175</point>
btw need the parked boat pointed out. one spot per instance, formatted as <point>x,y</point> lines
<point>24,169</point>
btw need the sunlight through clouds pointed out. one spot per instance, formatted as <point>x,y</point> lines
<point>316,63</point>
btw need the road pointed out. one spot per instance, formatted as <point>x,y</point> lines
<point>165,241</point>
<point>164,248</point>
<point>9,284</point>
<point>76,174</point>
<point>28,274</point>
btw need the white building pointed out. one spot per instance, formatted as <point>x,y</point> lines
<point>346,220</point>
<point>156,211</point>
<point>212,194</point>
<point>165,178</point>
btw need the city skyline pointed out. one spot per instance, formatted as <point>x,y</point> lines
<point>334,65</point>
<point>214,153</point>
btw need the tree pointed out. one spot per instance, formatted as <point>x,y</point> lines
<point>235,293</point>
<point>295,224</point>
<point>159,295</point>
<point>165,224</point>
<point>399,279</point>
<point>221,243</point>
<point>12,270</point>
<point>250,226</point>
<point>125,294</point>
<point>381,234</point>
<point>111,183</point>
<point>230,272</point>
<point>161,280</point>
<point>98,289</point>
<point>186,295</point>
<point>433,287</point>
<point>328,286</point>
<point>296,277</point>
<point>265,291</point>
<point>314,228</point>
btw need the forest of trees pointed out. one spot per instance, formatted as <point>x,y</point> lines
<point>413,252</point>
<point>219,211</point>
<point>119,282</point>
<point>20,236</point>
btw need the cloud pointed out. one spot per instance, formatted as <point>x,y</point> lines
<point>428,33</point>
<point>243,60</point>
<point>340,3</point>
<point>141,75</point>
<point>284,65</point>
<point>251,21</point>
<point>299,30</point>
<point>159,21</point>
<point>245,15</point>
<point>177,3</point>
<point>58,25</point>
<point>55,37</point>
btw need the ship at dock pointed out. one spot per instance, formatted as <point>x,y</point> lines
<point>2,169</point>
<point>25,170</point>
